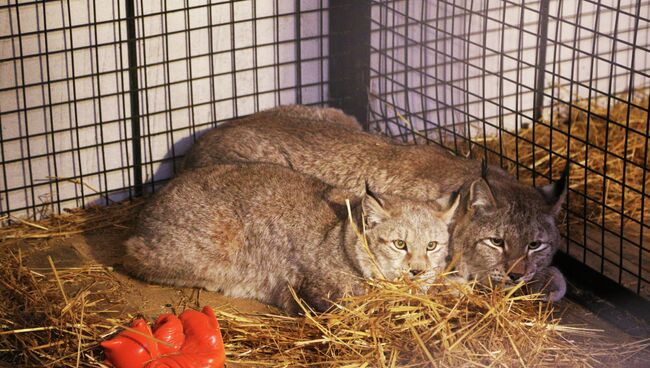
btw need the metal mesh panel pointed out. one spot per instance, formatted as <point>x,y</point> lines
<point>63,104</point>
<point>68,85</point>
<point>530,85</point>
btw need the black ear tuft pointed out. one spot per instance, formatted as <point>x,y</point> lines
<point>373,208</point>
<point>555,192</point>
<point>372,194</point>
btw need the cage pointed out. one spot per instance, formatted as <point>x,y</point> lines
<point>530,86</point>
<point>100,99</point>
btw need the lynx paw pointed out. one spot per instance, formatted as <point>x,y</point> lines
<point>551,283</point>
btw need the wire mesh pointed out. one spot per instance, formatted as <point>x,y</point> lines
<point>531,85</point>
<point>73,85</point>
<point>62,104</point>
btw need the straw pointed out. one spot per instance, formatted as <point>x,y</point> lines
<point>56,317</point>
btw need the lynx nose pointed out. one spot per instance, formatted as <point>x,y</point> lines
<point>514,276</point>
<point>416,272</point>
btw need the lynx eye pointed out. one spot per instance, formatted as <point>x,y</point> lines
<point>432,245</point>
<point>399,244</point>
<point>496,242</point>
<point>536,245</point>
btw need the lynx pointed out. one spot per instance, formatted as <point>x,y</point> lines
<point>505,231</point>
<point>256,230</point>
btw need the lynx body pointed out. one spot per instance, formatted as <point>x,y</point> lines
<point>254,230</point>
<point>505,230</point>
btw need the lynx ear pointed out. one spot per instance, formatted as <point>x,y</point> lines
<point>373,208</point>
<point>448,215</point>
<point>555,193</point>
<point>480,196</point>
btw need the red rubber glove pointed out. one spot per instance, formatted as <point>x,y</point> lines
<point>203,338</point>
<point>195,342</point>
<point>170,330</point>
<point>130,349</point>
<point>203,346</point>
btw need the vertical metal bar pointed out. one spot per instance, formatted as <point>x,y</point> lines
<point>450,61</point>
<point>349,72</point>
<point>24,109</point>
<point>466,78</point>
<point>188,65</point>
<point>606,154</point>
<point>73,80</point>
<point>52,135</point>
<point>298,51</point>
<point>119,83</point>
<point>321,51</point>
<point>233,61</point>
<point>99,120</point>
<point>213,111</point>
<point>408,111</point>
<point>145,114</point>
<point>276,54</point>
<point>554,75</point>
<point>393,57</point>
<point>168,91</point>
<point>630,96</point>
<point>381,64</point>
<point>643,200</point>
<point>574,50</point>
<point>437,64</point>
<point>594,50</point>
<point>502,53</point>
<point>256,69</point>
<point>540,67</point>
<point>484,56</point>
<point>519,117</point>
<point>133,93</point>
<point>423,73</point>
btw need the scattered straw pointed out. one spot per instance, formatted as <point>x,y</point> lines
<point>394,325</point>
<point>41,326</point>
<point>73,221</point>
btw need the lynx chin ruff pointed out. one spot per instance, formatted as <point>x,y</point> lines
<point>255,230</point>
<point>504,230</point>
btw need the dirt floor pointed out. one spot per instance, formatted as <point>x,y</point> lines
<point>104,247</point>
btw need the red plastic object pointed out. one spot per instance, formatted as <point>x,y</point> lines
<point>193,340</point>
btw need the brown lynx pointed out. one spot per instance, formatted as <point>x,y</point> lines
<point>505,230</point>
<point>254,230</point>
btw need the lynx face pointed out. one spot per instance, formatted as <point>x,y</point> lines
<point>405,237</point>
<point>509,240</point>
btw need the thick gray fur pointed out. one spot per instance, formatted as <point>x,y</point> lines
<point>327,144</point>
<point>254,230</point>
